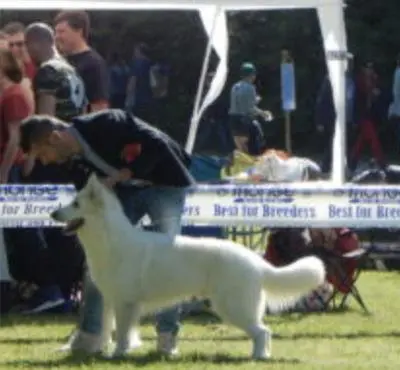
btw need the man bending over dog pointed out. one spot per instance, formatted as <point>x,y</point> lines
<point>146,168</point>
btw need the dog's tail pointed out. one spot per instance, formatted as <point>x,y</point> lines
<point>285,285</point>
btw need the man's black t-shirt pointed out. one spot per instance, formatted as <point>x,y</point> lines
<point>57,77</point>
<point>93,71</point>
<point>124,142</point>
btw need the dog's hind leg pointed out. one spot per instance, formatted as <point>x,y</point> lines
<point>126,315</point>
<point>246,312</point>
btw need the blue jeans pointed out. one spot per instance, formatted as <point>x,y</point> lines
<point>164,206</point>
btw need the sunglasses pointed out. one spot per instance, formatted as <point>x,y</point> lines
<point>18,44</point>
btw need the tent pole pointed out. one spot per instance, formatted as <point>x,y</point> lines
<point>194,122</point>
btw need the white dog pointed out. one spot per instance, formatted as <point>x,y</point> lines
<point>139,271</point>
<point>273,167</point>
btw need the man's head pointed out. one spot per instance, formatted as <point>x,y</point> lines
<point>15,32</point>
<point>46,138</point>
<point>72,31</point>
<point>40,41</point>
<point>10,68</point>
<point>248,72</point>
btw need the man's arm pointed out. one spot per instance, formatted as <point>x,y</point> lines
<point>17,108</point>
<point>46,85</point>
<point>97,86</point>
<point>46,103</point>
<point>10,152</point>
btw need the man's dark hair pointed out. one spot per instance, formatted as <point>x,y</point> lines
<point>40,32</point>
<point>78,20</point>
<point>10,66</point>
<point>13,28</point>
<point>36,128</point>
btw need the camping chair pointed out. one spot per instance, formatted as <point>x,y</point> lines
<point>344,263</point>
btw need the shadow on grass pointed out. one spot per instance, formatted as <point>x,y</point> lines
<point>228,338</point>
<point>140,360</point>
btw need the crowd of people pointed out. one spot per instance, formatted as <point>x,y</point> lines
<point>50,69</point>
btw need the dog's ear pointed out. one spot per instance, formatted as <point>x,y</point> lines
<point>94,188</point>
<point>92,181</point>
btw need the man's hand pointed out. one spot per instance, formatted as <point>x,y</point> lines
<point>121,176</point>
<point>268,116</point>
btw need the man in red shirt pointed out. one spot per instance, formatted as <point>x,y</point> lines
<point>15,105</point>
<point>15,32</point>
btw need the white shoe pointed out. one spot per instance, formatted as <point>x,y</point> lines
<point>167,344</point>
<point>81,341</point>
<point>135,341</point>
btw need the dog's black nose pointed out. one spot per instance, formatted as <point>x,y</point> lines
<point>55,215</point>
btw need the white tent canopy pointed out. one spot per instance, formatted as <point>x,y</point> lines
<point>212,12</point>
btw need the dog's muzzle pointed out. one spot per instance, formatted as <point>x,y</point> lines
<point>72,226</point>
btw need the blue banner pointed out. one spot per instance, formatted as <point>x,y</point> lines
<point>288,87</point>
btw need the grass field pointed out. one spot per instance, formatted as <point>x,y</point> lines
<point>347,340</point>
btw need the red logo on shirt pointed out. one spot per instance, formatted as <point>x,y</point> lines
<point>131,152</point>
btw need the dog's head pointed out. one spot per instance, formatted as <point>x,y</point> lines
<point>91,201</point>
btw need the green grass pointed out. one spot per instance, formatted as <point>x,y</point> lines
<point>347,340</point>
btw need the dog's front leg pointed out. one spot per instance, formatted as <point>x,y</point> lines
<point>108,320</point>
<point>126,315</point>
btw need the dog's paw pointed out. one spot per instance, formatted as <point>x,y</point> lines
<point>120,353</point>
<point>261,356</point>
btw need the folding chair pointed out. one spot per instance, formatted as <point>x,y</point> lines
<point>344,264</point>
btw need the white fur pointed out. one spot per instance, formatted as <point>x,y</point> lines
<point>271,168</point>
<point>139,271</point>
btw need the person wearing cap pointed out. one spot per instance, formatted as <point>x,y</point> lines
<point>243,112</point>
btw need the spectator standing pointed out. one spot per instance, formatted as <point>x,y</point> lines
<point>119,75</point>
<point>72,33</point>
<point>139,94</point>
<point>59,90</point>
<point>15,35</point>
<point>15,105</point>
<point>366,105</point>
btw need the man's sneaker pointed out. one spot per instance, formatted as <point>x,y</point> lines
<point>167,344</point>
<point>45,299</point>
<point>85,342</point>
